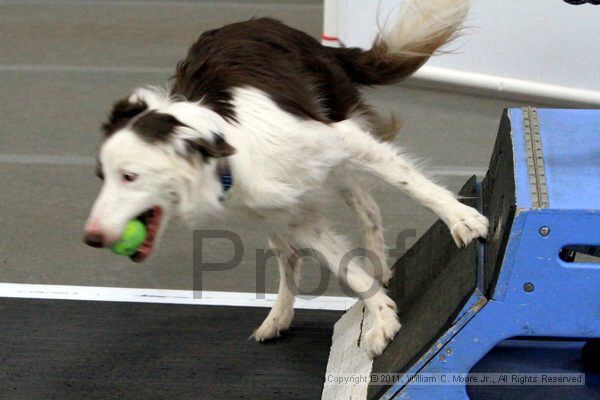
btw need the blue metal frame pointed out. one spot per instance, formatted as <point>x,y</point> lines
<point>565,301</point>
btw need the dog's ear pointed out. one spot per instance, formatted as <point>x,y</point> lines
<point>217,149</point>
<point>122,112</point>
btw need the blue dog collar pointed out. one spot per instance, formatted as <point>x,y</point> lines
<point>224,171</point>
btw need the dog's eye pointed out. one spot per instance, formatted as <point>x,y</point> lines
<point>128,177</point>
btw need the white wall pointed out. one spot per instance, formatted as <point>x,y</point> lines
<point>536,41</point>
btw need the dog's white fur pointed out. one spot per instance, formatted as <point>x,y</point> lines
<point>281,170</point>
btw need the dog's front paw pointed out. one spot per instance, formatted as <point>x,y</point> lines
<point>272,327</point>
<point>384,329</point>
<point>470,225</point>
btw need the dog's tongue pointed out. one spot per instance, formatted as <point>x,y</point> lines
<point>144,251</point>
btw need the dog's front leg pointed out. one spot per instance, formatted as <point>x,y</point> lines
<point>383,159</point>
<point>281,315</point>
<point>316,235</point>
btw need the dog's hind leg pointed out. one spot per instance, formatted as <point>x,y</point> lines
<point>315,234</point>
<point>384,160</point>
<point>369,218</point>
<point>281,315</point>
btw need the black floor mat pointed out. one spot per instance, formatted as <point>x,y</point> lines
<point>63,349</point>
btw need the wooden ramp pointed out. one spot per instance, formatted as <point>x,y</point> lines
<point>431,285</point>
<point>536,277</point>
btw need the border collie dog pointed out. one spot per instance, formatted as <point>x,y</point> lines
<point>260,122</point>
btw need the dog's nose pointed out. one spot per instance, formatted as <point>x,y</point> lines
<point>94,239</point>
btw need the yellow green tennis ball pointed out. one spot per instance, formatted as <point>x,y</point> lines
<point>132,238</point>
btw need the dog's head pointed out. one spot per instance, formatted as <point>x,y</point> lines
<point>157,160</point>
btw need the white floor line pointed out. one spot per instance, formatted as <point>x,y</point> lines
<point>488,85</point>
<point>85,69</point>
<point>171,3</point>
<point>205,298</point>
<point>447,170</point>
<point>44,159</point>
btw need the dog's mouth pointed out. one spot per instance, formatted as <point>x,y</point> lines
<point>151,218</point>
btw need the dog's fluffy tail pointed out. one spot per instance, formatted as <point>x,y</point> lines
<point>423,27</point>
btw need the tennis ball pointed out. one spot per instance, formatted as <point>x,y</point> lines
<point>133,236</point>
